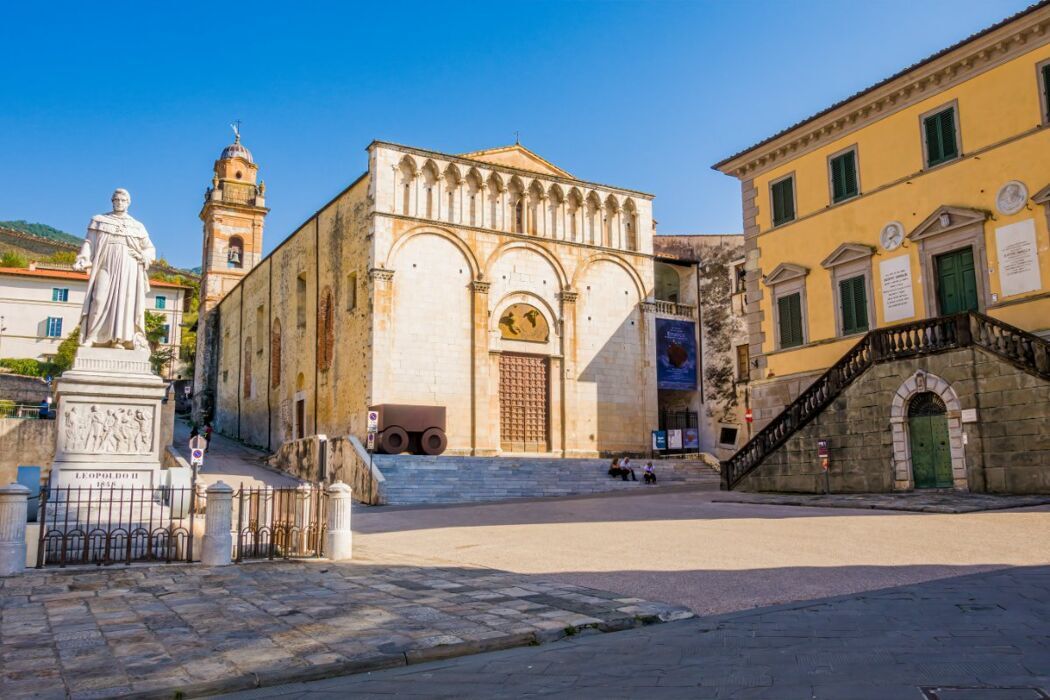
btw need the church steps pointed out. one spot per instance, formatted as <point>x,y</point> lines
<point>412,479</point>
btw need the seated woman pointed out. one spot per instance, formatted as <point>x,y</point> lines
<point>614,468</point>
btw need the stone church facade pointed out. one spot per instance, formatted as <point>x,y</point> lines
<point>492,283</point>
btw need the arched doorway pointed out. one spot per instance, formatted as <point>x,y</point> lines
<point>931,458</point>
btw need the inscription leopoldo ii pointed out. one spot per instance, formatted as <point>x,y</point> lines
<point>107,479</point>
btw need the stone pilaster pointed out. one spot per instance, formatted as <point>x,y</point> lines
<point>338,544</point>
<point>13,507</point>
<point>218,522</point>
<point>570,442</point>
<point>485,395</point>
<point>650,398</point>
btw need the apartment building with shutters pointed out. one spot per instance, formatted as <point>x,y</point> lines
<point>922,198</point>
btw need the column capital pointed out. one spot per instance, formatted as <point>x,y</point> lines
<point>379,273</point>
<point>569,296</point>
<point>480,287</point>
<point>648,307</point>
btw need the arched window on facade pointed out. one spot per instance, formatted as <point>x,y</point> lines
<point>235,252</point>
<point>667,282</point>
<point>326,330</point>
<point>630,225</point>
<point>275,354</point>
<point>519,215</point>
<point>473,210</point>
<point>451,208</point>
<point>405,198</point>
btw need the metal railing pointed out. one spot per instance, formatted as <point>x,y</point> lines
<point>280,523</point>
<point>926,337</point>
<point>114,525</point>
<point>17,410</point>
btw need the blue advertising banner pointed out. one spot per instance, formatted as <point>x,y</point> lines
<point>675,354</point>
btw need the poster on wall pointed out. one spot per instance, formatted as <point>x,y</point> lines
<point>691,439</point>
<point>675,354</point>
<point>674,439</point>
<point>1018,259</point>
<point>898,300</point>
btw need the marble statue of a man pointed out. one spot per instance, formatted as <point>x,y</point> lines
<point>117,252</point>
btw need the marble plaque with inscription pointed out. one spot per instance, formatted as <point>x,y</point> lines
<point>1018,258</point>
<point>898,299</point>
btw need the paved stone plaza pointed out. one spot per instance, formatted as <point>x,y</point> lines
<point>199,630</point>
<point>977,637</point>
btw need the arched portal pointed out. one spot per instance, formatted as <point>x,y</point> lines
<point>931,459</point>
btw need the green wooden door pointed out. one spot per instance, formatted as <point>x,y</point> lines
<point>931,458</point>
<point>956,282</point>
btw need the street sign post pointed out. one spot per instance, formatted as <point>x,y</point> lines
<point>373,421</point>
<point>196,457</point>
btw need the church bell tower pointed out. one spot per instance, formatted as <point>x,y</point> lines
<point>233,213</point>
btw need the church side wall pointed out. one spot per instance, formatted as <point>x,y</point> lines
<point>343,391</point>
<point>227,380</point>
<point>255,356</point>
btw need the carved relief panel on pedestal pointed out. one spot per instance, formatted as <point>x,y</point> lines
<point>107,428</point>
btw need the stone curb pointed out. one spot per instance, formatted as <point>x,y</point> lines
<point>905,508</point>
<point>379,662</point>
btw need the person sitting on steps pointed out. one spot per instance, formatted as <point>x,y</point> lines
<point>626,468</point>
<point>649,475</point>
<point>614,468</point>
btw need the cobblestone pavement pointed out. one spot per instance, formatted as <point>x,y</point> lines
<point>978,637</point>
<point>154,630</point>
<point>926,501</point>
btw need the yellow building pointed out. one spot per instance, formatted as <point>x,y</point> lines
<point>923,196</point>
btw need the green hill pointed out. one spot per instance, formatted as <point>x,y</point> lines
<point>42,230</point>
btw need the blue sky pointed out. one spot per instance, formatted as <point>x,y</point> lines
<point>642,95</point>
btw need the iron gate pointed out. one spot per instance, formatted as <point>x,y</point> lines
<point>279,523</point>
<point>114,525</point>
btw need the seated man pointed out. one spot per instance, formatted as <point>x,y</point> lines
<point>650,475</point>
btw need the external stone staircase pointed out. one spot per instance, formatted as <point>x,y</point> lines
<point>418,479</point>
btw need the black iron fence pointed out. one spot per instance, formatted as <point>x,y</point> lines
<point>684,421</point>
<point>115,525</point>
<point>279,523</point>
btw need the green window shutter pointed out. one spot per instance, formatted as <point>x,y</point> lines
<point>789,316</point>
<point>941,142</point>
<point>950,147</point>
<point>933,141</point>
<point>1046,89</point>
<point>783,201</point>
<point>853,301</point>
<point>844,176</point>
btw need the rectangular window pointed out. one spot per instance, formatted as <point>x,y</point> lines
<point>300,301</point>
<point>1044,74</point>
<point>941,139</point>
<point>739,278</point>
<point>54,327</point>
<point>161,302</point>
<point>789,316</point>
<point>727,436</point>
<point>351,291</point>
<point>743,360</point>
<point>260,326</point>
<point>166,328</point>
<point>853,301</point>
<point>783,194</point>
<point>59,294</point>
<point>844,177</point>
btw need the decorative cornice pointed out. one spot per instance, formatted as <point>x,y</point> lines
<point>847,252</point>
<point>480,287</point>
<point>785,272</point>
<point>568,296</point>
<point>379,273</point>
<point>945,219</point>
<point>1028,30</point>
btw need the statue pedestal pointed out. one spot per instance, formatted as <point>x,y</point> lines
<point>109,420</point>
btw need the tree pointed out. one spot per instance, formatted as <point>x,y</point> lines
<point>63,257</point>
<point>156,335</point>
<point>10,258</point>
<point>67,352</point>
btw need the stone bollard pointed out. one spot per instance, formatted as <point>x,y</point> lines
<point>13,509</point>
<point>338,539</point>
<point>218,522</point>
